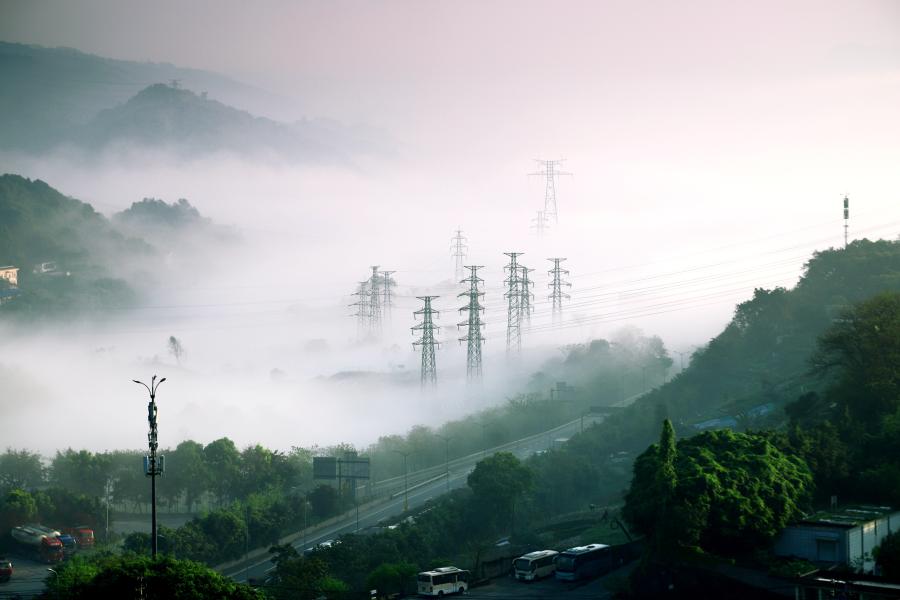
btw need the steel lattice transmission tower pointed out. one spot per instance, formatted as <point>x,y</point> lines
<point>375,301</point>
<point>540,224</point>
<point>550,172</point>
<point>362,308</point>
<point>473,324</point>
<point>387,299</point>
<point>459,251</point>
<point>514,307</point>
<point>556,285</point>
<point>427,327</point>
<point>525,284</point>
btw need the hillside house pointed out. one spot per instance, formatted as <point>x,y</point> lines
<point>843,536</point>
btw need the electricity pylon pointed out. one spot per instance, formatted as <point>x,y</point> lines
<point>550,172</point>
<point>473,337</point>
<point>514,307</point>
<point>427,327</point>
<point>387,283</point>
<point>459,251</point>
<point>375,301</point>
<point>525,284</point>
<point>362,309</point>
<point>556,284</point>
<point>540,224</point>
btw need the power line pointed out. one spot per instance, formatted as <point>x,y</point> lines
<point>427,327</point>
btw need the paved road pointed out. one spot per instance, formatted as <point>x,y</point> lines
<point>459,471</point>
<point>27,580</point>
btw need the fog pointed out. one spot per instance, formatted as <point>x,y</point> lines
<point>696,179</point>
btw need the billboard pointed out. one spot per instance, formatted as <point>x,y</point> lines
<point>324,467</point>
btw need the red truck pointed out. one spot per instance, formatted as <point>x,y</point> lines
<point>83,534</point>
<point>34,541</point>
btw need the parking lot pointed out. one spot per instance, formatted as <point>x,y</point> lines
<point>27,580</point>
<point>507,587</point>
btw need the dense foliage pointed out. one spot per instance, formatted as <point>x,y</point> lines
<point>887,556</point>
<point>723,491</point>
<point>130,576</point>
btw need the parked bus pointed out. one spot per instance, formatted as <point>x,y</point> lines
<point>583,561</point>
<point>535,565</point>
<point>446,580</point>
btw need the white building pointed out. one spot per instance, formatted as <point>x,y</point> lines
<point>842,536</point>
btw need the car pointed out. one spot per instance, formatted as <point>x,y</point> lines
<point>6,569</point>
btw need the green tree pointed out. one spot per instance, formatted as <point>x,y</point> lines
<point>498,481</point>
<point>391,578</point>
<point>733,492</point>
<point>887,556</point>
<point>18,508</point>
<point>324,501</point>
<point>133,576</point>
<point>224,464</point>
<point>20,469</point>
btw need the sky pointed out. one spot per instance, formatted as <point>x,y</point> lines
<point>711,138</point>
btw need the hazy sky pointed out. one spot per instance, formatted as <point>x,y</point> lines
<point>700,133</point>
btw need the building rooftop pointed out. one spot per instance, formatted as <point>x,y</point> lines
<point>848,516</point>
<point>8,267</point>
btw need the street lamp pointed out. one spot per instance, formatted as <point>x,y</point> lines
<point>446,457</point>
<point>405,481</point>
<point>152,466</point>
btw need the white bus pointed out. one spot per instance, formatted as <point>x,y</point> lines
<point>446,580</point>
<point>535,565</point>
<point>583,561</point>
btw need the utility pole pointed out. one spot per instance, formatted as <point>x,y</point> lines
<point>681,356</point>
<point>540,223</point>
<point>459,251</point>
<point>375,302</point>
<point>473,337</point>
<point>846,218</point>
<point>556,284</point>
<point>514,304</point>
<point>526,284</point>
<point>550,172</point>
<point>427,327</point>
<point>153,465</point>
<point>388,296</point>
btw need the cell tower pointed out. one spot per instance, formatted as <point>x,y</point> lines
<point>375,301</point>
<point>514,307</point>
<point>459,251</point>
<point>556,285</point>
<point>362,309</point>
<point>846,218</point>
<point>525,289</point>
<point>473,337</point>
<point>540,224</point>
<point>550,172</point>
<point>427,327</point>
<point>387,297</point>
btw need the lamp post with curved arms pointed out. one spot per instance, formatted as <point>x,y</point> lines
<point>405,481</point>
<point>153,466</point>
<point>446,457</point>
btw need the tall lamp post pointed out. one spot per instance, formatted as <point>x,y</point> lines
<point>446,457</point>
<point>153,466</point>
<point>405,481</point>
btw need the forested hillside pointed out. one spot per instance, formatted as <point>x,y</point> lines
<point>744,378</point>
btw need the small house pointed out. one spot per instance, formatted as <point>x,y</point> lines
<point>844,536</point>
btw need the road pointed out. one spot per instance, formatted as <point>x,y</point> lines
<point>27,580</point>
<point>419,493</point>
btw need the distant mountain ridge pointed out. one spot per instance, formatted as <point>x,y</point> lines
<point>54,97</point>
